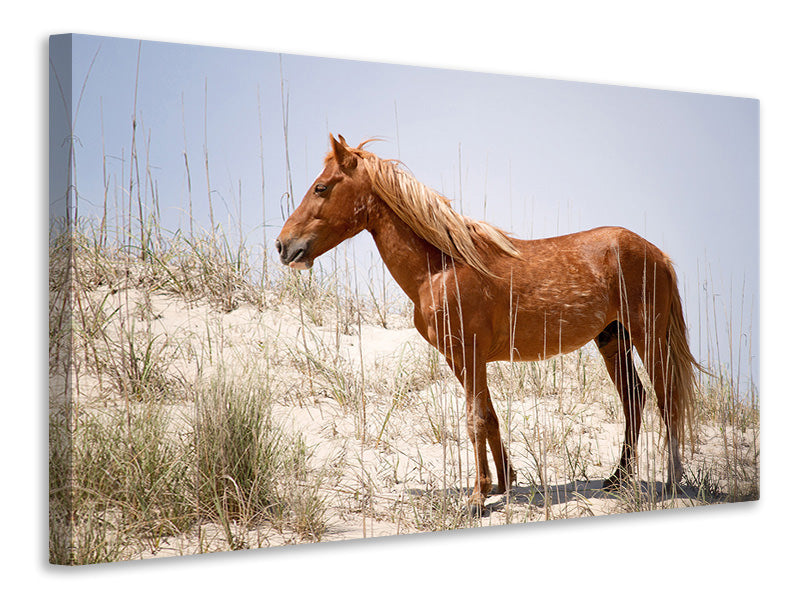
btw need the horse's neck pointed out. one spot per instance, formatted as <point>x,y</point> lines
<point>409,258</point>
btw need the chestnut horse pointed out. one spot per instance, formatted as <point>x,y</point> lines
<point>481,296</point>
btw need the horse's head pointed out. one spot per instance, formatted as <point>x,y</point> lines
<point>333,209</point>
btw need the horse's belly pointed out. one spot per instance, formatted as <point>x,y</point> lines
<point>534,336</point>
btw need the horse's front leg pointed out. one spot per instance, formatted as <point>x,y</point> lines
<point>478,435</point>
<point>476,423</point>
<point>483,428</point>
<point>485,420</point>
<point>468,363</point>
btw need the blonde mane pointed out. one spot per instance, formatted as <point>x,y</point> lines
<point>430,215</point>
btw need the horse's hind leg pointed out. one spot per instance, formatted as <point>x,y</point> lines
<point>663,385</point>
<point>615,346</point>
<point>505,472</point>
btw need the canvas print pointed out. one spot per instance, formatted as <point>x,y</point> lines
<point>296,299</point>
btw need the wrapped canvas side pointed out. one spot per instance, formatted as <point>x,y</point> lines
<point>62,193</point>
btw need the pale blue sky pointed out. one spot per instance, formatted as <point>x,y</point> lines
<point>549,156</point>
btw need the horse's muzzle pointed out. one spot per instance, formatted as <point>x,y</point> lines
<point>293,252</point>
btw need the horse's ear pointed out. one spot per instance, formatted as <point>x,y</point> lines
<point>343,155</point>
<point>341,139</point>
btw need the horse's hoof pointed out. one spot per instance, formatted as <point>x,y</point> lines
<point>475,505</point>
<point>477,499</point>
<point>476,511</point>
<point>614,483</point>
<point>502,488</point>
<point>611,484</point>
<point>674,478</point>
<point>672,487</point>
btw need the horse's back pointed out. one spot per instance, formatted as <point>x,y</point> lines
<point>601,252</point>
<point>596,239</point>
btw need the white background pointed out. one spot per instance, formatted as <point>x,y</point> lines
<point>715,47</point>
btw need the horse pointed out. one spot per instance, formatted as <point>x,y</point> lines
<point>480,295</point>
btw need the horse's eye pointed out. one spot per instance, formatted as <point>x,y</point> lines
<point>320,188</point>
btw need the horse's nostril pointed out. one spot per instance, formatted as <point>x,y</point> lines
<point>291,250</point>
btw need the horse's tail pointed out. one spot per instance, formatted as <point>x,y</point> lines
<point>682,366</point>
